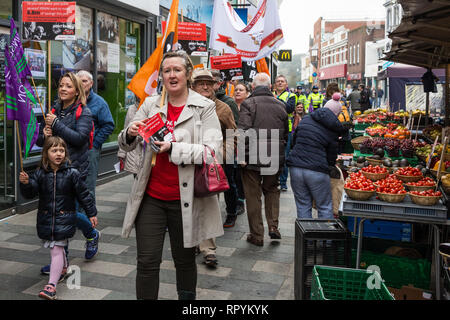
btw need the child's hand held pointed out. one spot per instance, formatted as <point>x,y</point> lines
<point>94,221</point>
<point>24,178</point>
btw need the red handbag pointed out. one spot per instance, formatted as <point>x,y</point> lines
<point>209,179</point>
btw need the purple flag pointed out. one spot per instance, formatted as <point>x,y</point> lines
<point>19,102</point>
<point>17,53</point>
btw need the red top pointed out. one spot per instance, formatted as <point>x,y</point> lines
<point>163,183</point>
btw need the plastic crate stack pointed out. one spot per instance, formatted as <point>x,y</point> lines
<point>318,242</point>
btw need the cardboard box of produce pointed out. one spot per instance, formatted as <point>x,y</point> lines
<point>410,293</point>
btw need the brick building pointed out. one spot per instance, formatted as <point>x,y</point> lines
<point>357,39</point>
<point>329,49</point>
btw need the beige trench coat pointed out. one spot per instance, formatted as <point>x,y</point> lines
<point>197,125</point>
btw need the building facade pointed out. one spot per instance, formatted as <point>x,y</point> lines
<point>113,40</point>
<point>322,29</point>
<point>357,39</point>
<point>333,64</point>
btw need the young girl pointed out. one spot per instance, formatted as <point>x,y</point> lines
<point>58,186</point>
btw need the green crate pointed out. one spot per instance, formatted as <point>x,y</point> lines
<point>414,271</point>
<point>412,161</point>
<point>334,283</point>
<point>362,126</point>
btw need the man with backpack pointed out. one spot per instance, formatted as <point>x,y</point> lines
<point>103,126</point>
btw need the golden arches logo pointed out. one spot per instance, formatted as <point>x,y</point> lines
<point>285,55</point>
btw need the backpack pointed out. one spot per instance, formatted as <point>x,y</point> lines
<point>77,116</point>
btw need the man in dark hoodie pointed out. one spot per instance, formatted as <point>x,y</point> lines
<point>263,120</point>
<point>313,158</point>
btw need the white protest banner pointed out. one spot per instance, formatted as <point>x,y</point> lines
<point>254,41</point>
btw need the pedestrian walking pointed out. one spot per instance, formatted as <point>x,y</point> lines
<point>103,126</point>
<point>242,91</point>
<point>354,98</point>
<point>314,152</point>
<point>298,115</point>
<point>290,100</point>
<point>261,114</point>
<point>58,185</point>
<point>203,83</point>
<point>220,93</point>
<point>364,100</point>
<point>71,120</point>
<point>380,95</point>
<point>163,196</point>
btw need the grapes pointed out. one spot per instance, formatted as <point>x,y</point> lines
<point>407,148</point>
<point>392,147</point>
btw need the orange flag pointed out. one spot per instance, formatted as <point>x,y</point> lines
<point>261,66</point>
<point>145,81</point>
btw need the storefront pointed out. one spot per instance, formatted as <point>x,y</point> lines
<point>333,74</point>
<point>113,40</point>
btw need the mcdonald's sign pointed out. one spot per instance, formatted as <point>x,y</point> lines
<point>285,55</point>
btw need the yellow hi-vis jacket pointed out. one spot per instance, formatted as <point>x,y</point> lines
<point>285,96</point>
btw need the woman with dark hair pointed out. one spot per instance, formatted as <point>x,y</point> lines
<point>71,120</point>
<point>163,196</point>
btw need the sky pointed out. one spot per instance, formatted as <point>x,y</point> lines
<point>298,17</point>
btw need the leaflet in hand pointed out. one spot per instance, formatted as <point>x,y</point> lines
<point>155,129</point>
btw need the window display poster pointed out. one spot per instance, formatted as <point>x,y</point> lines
<point>42,94</point>
<point>102,56</point>
<point>200,11</point>
<point>130,46</point>
<point>130,70</point>
<point>37,62</point>
<point>229,65</point>
<point>113,57</point>
<point>4,39</point>
<point>416,99</point>
<point>44,20</point>
<point>130,98</point>
<point>83,24</point>
<point>108,28</point>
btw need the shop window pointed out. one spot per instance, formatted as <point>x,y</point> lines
<point>5,9</point>
<point>118,59</point>
<point>357,52</point>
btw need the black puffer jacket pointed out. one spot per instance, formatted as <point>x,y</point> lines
<point>56,217</point>
<point>75,133</point>
<point>315,144</point>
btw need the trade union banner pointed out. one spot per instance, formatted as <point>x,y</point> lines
<point>256,40</point>
<point>48,20</point>
<point>229,65</point>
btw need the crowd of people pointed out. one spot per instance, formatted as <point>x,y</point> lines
<point>280,132</point>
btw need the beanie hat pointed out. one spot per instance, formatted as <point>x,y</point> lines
<point>334,105</point>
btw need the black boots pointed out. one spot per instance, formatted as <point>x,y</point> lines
<point>186,295</point>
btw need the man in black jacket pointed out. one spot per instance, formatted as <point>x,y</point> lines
<point>263,120</point>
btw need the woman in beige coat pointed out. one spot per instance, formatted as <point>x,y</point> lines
<point>164,195</point>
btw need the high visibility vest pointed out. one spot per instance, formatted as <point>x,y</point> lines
<point>285,96</point>
<point>303,99</point>
<point>229,90</point>
<point>316,99</point>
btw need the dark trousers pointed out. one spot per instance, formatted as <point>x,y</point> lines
<point>231,194</point>
<point>151,222</point>
<point>238,181</point>
<point>255,185</point>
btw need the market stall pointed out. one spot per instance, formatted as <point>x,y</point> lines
<point>400,172</point>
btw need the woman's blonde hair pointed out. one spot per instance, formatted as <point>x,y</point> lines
<point>49,142</point>
<point>81,95</point>
<point>187,62</point>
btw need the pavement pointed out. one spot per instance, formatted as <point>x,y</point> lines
<point>244,272</point>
